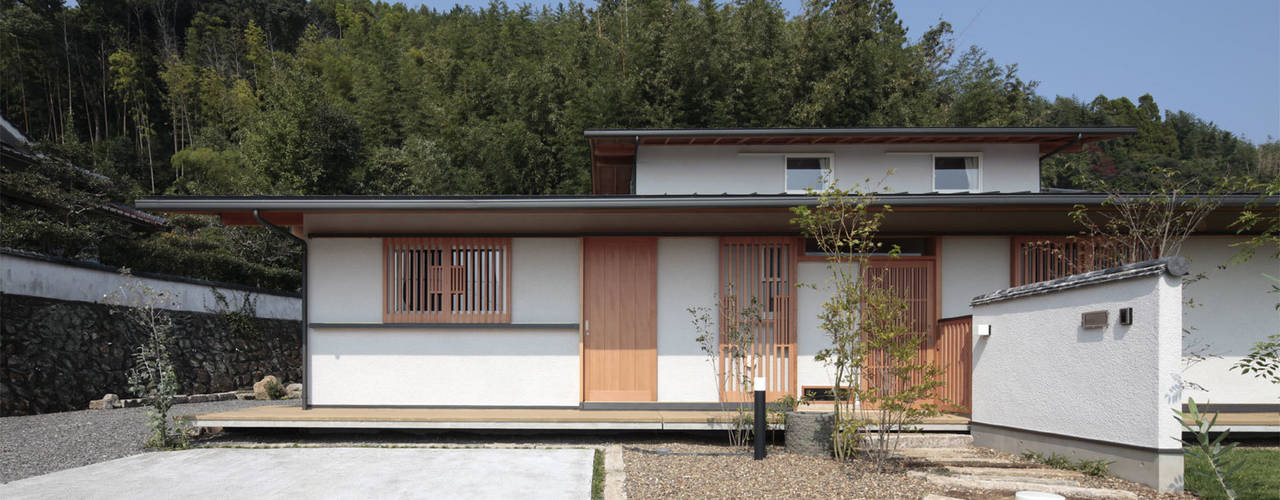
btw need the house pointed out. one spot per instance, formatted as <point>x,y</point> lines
<point>582,301</point>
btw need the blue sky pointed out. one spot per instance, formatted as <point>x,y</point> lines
<point>1219,60</point>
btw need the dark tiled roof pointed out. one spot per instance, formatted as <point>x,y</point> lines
<point>1175,266</point>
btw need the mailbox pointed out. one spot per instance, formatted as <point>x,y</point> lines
<point>1093,319</point>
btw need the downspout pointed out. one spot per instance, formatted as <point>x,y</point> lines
<point>1040,162</point>
<point>306,360</point>
<point>635,158</point>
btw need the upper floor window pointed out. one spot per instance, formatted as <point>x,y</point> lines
<point>807,172</point>
<point>956,173</point>
<point>447,280</point>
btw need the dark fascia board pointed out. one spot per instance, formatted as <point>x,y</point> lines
<point>876,131</point>
<point>214,204</point>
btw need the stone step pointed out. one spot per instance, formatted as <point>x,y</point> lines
<point>940,453</point>
<point>1016,472</point>
<point>1023,479</point>
<point>939,440</point>
<point>1013,486</point>
<point>985,462</point>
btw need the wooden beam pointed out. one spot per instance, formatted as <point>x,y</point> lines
<point>615,149</point>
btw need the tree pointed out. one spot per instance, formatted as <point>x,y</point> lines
<point>152,377</point>
<point>873,353</point>
<point>726,336</point>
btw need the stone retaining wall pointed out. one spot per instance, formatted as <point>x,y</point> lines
<point>56,355</point>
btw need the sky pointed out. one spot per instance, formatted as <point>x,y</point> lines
<point>1219,60</point>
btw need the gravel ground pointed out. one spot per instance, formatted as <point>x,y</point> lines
<point>39,444</point>
<point>784,475</point>
<point>781,475</point>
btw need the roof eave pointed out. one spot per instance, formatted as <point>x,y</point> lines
<point>876,131</point>
<point>332,204</point>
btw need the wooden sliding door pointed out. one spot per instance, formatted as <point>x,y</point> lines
<point>620,318</point>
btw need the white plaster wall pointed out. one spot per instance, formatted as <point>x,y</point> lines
<point>970,266</point>
<point>443,366</point>
<point>1233,311</point>
<point>38,278</point>
<point>1040,371</point>
<point>687,277</point>
<point>544,280</point>
<point>344,280</point>
<point>810,338</point>
<point>723,169</point>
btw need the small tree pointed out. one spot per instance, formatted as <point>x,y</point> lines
<point>1213,451</point>
<point>152,377</point>
<point>866,325</point>
<point>897,382</point>
<point>1135,227</point>
<point>728,347</point>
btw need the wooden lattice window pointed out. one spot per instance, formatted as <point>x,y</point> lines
<point>760,270</point>
<point>1044,258</point>
<point>446,280</point>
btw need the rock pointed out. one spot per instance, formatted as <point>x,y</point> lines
<point>809,433</point>
<point>260,387</point>
<point>108,402</point>
<point>132,402</point>
<point>244,395</point>
<point>293,391</point>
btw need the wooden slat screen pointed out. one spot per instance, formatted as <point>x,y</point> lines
<point>446,280</point>
<point>761,269</point>
<point>912,280</point>
<point>1044,258</point>
<point>955,358</point>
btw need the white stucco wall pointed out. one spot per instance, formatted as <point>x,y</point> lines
<point>969,266</point>
<point>344,280</point>
<point>544,280</point>
<point>447,366</point>
<point>1040,371</point>
<point>444,366</point>
<point>1232,311</point>
<point>726,169</point>
<point>687,277</point>
<point>810,338</point>
<point>38,278</point>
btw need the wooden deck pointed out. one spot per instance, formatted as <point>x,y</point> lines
<point>1259,421</point>
<point>506,418</point>
<point>571,419</point>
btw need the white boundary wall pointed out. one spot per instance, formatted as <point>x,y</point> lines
<point>1042,382</point>
<point>36,277</point>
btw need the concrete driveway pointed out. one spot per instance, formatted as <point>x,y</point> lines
<point>323,473</point>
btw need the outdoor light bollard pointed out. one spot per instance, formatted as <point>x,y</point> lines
<point>759,419</point>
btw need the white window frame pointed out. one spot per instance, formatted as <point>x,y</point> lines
<point>933,170</point>
<point>828,177</point>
